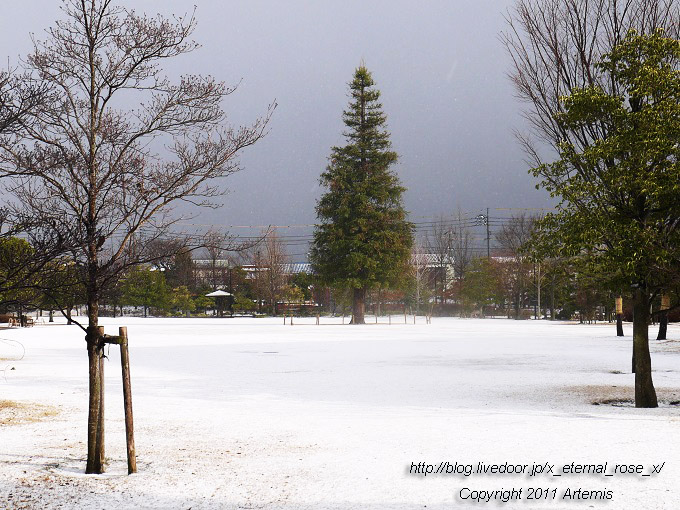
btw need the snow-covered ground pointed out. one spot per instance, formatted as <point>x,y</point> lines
<point>249,413</point>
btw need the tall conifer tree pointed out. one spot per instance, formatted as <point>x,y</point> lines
<point>363,240</point>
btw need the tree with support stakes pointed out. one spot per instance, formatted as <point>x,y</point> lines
<point>363,240</point>
<point>620,196</point>
<point>85,171</point>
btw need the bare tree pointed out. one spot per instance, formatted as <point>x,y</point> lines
<point>420,272</point>
<point>512,240</point>
<point>438,242</point>
<point>270,261</point>
<point>216,245</point>
<point>462,244</point>
<point>86,169</point>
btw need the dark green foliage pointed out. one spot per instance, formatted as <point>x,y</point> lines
<point>364,240</point>
<point>305,283</point>
<point>17,275</point>
<point>482,285</point>
<point>181,300</point>
<point>243,304</point>
<point>146,288</point>
<point>15,268</point>
<point>621,194</point>
<point>61,287</point>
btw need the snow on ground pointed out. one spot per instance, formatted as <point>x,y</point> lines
<point>249,413</point>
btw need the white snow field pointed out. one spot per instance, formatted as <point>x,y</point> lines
<point>251,414</point>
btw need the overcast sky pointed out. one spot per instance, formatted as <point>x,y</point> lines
<point>439,65</point>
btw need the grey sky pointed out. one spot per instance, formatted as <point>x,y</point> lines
<point>439,64</point>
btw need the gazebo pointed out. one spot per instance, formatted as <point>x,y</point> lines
<point>222,298</point>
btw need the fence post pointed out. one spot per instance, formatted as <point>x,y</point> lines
<point>127,401</point>
<point>100,427</point>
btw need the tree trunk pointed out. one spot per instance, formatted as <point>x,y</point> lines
<point>101,459</point>
<point>95,353</point>
<point>95,439</point>
<point>619,325</point>
<point>552,300</point>
<point>358,306</point>
<point>645,394</point>
<point>663,325</point>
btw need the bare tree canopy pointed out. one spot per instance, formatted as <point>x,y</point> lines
<point>513,240</point>
<point>270,260</point>
<point>103,178</point>
<point>17,100</point>
<point>85,167</point>
<point>555,46</point>
<point>438,243</point>
<point>462,245</point>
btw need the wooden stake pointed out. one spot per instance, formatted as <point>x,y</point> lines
<point>101,452</point>
<point>127,401</point>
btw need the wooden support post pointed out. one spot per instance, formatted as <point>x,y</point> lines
<point>284,319</point>
<point>663,318</point>
<point>317,319</point>
<point>101,452</point>
<point>127,401</point>
<point>632,360</point>
<point>291,319</point>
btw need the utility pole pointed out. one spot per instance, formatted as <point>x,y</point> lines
<point>539,290</point>
<point>484,220</point>
<point>488,237</point>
